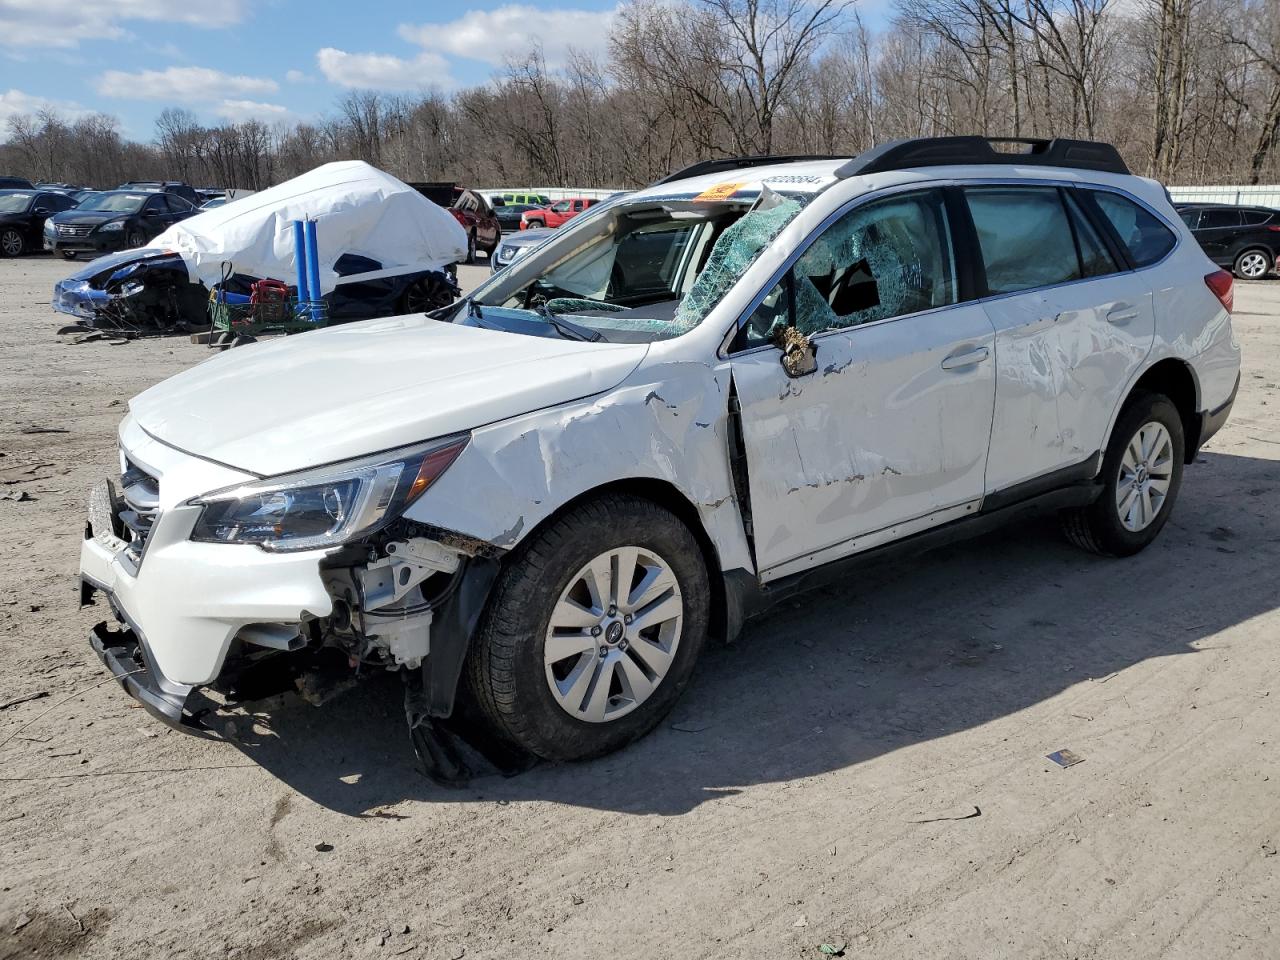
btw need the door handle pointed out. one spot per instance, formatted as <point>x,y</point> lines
<point>1122,313</point>
<point>966,359</point>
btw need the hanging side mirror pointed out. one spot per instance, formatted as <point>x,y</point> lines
<point>799,353</point>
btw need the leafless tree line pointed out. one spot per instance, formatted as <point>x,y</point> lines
<point>1189,90</point>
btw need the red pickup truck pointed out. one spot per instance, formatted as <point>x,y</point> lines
<point>557,213</point>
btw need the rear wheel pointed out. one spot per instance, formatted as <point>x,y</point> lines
<point>592,631</point>
<point>425,294</point>
<point>471,247</point>
<point>11,243</point>
<point>1141,474</point>
<point>1252,264</point>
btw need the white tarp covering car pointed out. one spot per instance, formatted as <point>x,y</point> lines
<point>359,209</point>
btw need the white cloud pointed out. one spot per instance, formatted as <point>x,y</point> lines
<point>15,103</point>
<point>512,31</point>
<point>297,76</point>
<point>64,23</point>
<point>180,85</point>
<point>238,111</point>
<point>381,71</point>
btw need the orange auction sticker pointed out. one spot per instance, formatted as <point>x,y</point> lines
<point>721,191</point>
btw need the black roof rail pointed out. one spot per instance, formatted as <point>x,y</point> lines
<point>734,163</point>
<point>948,151</point>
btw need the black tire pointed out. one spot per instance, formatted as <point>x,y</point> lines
<point>471,247</point>
<point>426,294</point>
<point>12,243</point>
<point>1245,265</point>
<point>532,224</point>
<point>68,254</point>
<point>506,674</point>
<point>1099,527</point>
<point>135,239</point>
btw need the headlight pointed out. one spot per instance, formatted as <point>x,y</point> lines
<point>49,229</point>
<point>112,226</point>
<point>327,506</point>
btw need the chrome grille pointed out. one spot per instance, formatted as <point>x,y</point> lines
<point>72,230</point>
<point>141,495</point>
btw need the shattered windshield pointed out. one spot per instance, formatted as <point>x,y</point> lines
<point>14,202</point>
<point>644,270</point>
<point>114,202</point>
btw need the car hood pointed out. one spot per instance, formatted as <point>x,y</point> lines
<point>112,262</point>
<point>88,216</point>
<point>361,388</point>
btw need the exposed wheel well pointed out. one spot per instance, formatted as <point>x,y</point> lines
<point>667,495</point>
<point>1174,379</point>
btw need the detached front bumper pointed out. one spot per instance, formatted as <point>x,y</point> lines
<point>126,655</point>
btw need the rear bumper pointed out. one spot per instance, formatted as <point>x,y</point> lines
<point>1212,421</point>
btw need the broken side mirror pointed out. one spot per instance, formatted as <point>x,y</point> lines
<point>799,353</point>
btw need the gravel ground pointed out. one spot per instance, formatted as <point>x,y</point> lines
<point>865,767</point>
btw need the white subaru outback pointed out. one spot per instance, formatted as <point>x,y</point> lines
<point>693,400</point>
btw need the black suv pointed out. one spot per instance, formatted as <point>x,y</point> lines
<point>114,220</point>
<point>186,192</point>
<point>1245,240</point>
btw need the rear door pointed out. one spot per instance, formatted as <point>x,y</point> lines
<point>1217,232</point>
<point>1072,324</point>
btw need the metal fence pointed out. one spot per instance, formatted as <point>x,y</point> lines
<point>1261,196</point>
<point>555,193</point>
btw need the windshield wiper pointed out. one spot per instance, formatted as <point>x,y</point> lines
<point>566,328</point>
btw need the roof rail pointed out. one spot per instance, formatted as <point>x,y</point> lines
<point>946,151</point>
<point>734,163</point>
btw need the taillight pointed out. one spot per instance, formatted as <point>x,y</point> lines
<point>1223,286</point>
<point>1274,228</point>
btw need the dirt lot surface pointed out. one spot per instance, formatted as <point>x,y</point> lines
<point>865,767</point>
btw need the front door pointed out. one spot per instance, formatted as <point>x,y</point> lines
<point>889,434</point>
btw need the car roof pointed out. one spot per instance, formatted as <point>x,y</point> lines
<point>814,176</point>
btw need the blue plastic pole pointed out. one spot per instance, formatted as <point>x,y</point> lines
<point>313,272</point>
<point>300,259</point>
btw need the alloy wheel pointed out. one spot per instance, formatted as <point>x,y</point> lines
<point>1146,470</point>
<point>11,243</point>
<point>1253,265</point>
<point>613,634</point>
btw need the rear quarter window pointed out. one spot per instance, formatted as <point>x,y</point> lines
<point>1139,231</point>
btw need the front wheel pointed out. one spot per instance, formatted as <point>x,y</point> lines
<point>136,239</point>
<point>68,254</point>
<point>1141,475</point>
<point>1252,265</point>
<point>592,631</point>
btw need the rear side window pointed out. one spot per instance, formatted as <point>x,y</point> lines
<point>1219,218</point>
<point>1025,237</point>
<point>1095,259</point>
<point>1145,237</point>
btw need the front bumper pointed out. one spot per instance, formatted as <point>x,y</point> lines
<point>126,655</point>
<point>78,298</point>
<point>190,600</point>
<point>93,243</point>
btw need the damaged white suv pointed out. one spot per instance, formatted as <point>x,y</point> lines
<point>691,401</point>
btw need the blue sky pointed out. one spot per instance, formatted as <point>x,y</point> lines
<point>282,60</point>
